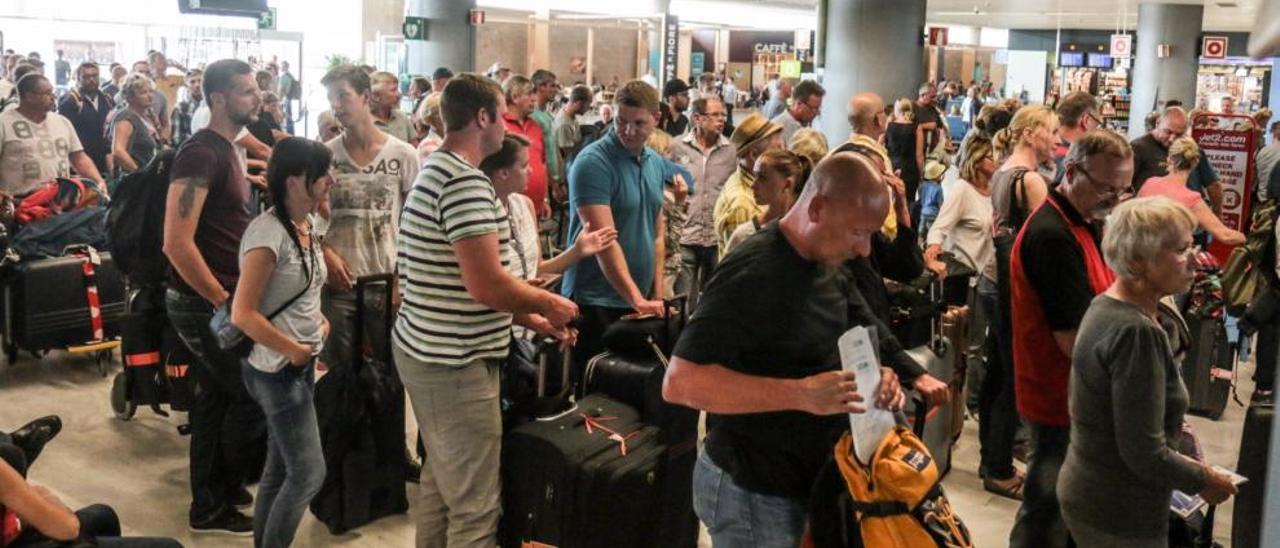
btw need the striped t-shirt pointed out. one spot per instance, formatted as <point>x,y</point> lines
<point>439,322</point>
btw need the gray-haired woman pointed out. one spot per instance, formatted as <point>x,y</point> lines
<point>1127,397</point>
<point>132,129</point>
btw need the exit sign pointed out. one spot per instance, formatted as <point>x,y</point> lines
<point>415,28</point>
<point>267,20</point>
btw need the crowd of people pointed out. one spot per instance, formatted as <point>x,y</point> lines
<point>505,216</point>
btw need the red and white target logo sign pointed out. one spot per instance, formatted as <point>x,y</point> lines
<point>1214,47</point>
<point>1121,46</point>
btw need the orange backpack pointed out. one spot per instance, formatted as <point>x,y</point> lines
<point>897,501</point>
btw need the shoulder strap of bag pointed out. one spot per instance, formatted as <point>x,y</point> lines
<point>305,287</point>
<point>1018,197</point>
<point>879,509</point>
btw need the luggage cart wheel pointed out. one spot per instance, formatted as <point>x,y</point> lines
<point>103,358</point>
<point>120,404</point>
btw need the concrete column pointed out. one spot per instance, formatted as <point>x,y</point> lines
<point>870,45</point>
<point>451,40</point>
<point>1157,79</point>
<point>540,41</point>
<point>659,8</point>
<point>591,55</point>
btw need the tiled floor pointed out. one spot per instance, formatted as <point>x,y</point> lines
<point>140,467</point>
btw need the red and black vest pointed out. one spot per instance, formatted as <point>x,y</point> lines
<point>1041,370</point>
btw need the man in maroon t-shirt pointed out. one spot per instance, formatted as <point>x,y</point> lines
<point>206,213</point>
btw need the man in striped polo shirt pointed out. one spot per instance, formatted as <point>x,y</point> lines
<point>455,318</point>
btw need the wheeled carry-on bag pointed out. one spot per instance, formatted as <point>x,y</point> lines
<point>632,373</point>
<point>63,302</point>
<point>1255,442</point>
<point>360,408</point>
<point>588,477</point>
<point>1207,369</point>
<point>942,357</point>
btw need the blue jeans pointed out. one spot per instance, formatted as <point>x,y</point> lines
<point>737,518</point>
<point>295,462</point>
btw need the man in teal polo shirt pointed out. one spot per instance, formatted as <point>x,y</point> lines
<point>617,182</point>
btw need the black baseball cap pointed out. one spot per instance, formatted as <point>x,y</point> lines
<point>674,86</point>
<point>442,73</point>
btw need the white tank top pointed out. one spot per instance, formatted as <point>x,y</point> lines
<point>524,237</point>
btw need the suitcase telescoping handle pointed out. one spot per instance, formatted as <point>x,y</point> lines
<point>936,319</point>
<point>542,358</point>
<point>920,415</point>
<point>681,304</point>
<point>363,284</point>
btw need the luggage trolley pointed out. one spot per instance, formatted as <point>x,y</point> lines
<point>73,302</point>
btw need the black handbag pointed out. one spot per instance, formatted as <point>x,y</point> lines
<point>956,287</point>
<point>1261,311</point>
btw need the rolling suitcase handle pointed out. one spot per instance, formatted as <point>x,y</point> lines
<point>936,341</point>
<point>920,415</point>
<point>362,287</point>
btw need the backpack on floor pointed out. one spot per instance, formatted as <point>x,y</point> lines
<point>897,501</point>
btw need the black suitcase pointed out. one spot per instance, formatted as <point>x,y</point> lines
<point>1207,368</point>
<point>47,302</point>
<point>587,477</point>
<point>360,409</point>
<point>638,383</point>
<point>1255,443</point>
<point>632,368</point>
<point>632,372</point>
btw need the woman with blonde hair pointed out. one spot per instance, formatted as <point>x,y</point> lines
<point>1126,394</point>
<point>964,227</point>
<point>1184,156</point>
<point>1017,189</point>
<point>780,176</point>
<point>902,140</point>
<point>810,143</point>
<point>132,129</point>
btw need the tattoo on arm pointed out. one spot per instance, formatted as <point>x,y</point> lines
<point>186,201</point>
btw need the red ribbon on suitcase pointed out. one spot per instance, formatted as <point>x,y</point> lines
<point>594,423</point>
<point>91,291</point>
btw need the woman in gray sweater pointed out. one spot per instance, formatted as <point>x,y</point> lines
<point>1127,398</point>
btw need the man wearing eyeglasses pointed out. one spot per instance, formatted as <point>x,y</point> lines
<point>1078,115</point>
<point>1055,270</point>
<point>712,158</point>
<point>806,104</point>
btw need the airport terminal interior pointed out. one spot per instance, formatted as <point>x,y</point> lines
<point>660,273</point>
